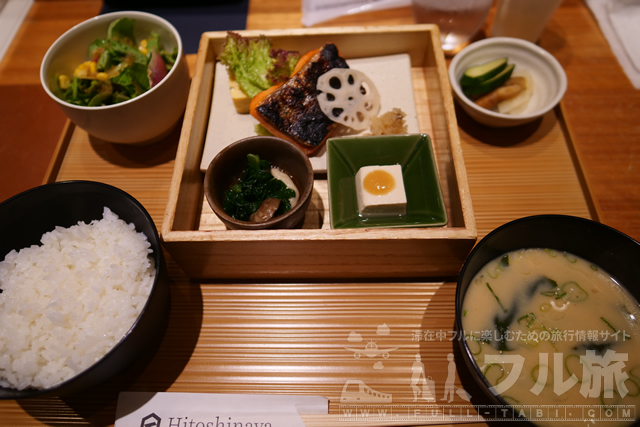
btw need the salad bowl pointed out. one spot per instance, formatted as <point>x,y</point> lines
<point>145,118</point>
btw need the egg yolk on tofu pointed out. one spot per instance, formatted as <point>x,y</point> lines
<point>380,191</point>
<point>379,182</point>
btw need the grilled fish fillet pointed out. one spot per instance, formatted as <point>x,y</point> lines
<point>291,110</point>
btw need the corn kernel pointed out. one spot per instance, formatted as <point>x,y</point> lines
<point>83,70</point>
<point>143,47</point>
<point>102,76</point>
<point>63,81</point>
<point>93,68</point>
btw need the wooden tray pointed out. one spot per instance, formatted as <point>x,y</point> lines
<point>289,338</point>
<point>202,246</point>
<point>511,173</point>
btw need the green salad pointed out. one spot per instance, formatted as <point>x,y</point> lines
<point>119,68</point>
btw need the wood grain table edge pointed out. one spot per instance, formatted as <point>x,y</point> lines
<point>59,153</point>
<point>595,212</point>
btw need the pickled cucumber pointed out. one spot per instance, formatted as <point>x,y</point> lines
<point>477,74</point>
<point>490,84</point>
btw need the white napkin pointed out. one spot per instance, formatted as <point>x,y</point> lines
<point>619,21</point>
<point>316,11</point>
<point>12,13</point>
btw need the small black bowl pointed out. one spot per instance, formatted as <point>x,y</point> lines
<point>25,217</point>
<point>611,250</point>
<point>226,168</point>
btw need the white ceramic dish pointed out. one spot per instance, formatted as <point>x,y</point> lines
<point>391,75</point>
<point>550,80</point>
<point>144,119</point>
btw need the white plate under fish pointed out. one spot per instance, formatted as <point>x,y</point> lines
<point>391,75</point>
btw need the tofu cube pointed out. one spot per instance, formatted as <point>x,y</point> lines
<point>380,191</point>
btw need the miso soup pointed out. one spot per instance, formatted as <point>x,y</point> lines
<point>567,324</point>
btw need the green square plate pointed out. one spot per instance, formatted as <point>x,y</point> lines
<point>346,155</point>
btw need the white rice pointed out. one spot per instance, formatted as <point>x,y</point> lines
<point>66,303</point>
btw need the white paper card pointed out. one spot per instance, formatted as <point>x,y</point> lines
<point>391,75</point>
<point>148,409</point>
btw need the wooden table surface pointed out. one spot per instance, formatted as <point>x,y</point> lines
<point>601,110</point>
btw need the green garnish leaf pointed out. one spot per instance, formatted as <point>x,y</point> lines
<point>504,261</point>
<point>496,297</point>
<point>153,42</point>
<point>119,97</point>
<point>574,292</point>
<point>253,161</point>
<point>254,64</point>
<point>122,30</point>
<point>74,86</point>
<point>169,58</point>
<point>606,322</point>
<point>543,282</point>
<point>261,130</point>
<point>98,44</point>
<point>556,292</point>
<point>133,80</point>
<point>104,61</point>
<point>500,368</point>
<point>256,185</point>
<point>84,91</point>
<point>120,50</point>
<point>530,316</point>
